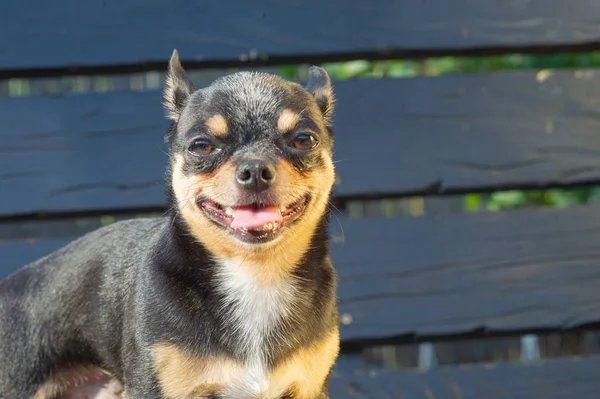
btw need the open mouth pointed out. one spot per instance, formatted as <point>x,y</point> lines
<point>254,223</point>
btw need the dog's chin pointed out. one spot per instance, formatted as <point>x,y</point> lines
<point>255,233</point>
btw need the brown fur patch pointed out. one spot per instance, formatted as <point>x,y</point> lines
<point>81,381</point>
<point>272,261</point>
<point>184,376</point>
<point>305,372</point>
<point>217,125</point>
<point>287,121</point>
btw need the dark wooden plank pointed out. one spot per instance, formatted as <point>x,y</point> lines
<point>394,137</point>
<point>549,379</point>
<point>453,274</point>
<point>82,152</point>
<point>18,253</point>
<point>134,32</point>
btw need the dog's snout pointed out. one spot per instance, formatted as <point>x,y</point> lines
<point>255,174</point>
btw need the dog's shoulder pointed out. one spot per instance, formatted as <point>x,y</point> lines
<point>108,244</point>
<point>123,236</point>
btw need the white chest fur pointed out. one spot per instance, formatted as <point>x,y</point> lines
<point>255,309</point>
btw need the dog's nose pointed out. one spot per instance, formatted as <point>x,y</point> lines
<point>255,174</point>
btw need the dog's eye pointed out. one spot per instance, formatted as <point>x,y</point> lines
<point>201,147</point>
<point>304,141</point>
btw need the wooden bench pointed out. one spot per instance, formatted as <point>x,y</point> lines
<point>72,161</point>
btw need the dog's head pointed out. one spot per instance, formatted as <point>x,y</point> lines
<point>250,157</point>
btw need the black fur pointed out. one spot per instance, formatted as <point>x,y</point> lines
<point>107,297</point>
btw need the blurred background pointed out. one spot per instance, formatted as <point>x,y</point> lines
<point>365,69</point>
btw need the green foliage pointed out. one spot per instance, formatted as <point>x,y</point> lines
<point>18,87</point>
<point>101,83</point>
<point>473,202</point>
<point>447,65</point>
<point>289,71</point>
<point>556,198</point>
<point>106,220</point>
<point>510,199</point>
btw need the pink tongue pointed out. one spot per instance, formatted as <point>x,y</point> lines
<point>251,218</point>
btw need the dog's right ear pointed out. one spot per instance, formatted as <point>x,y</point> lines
<point>319,85</point>
<point>178,88</point>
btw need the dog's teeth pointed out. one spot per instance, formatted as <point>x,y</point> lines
<point>229,211</point>
<point>269,226</point>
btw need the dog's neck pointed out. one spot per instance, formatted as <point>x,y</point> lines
<point>269,317</point>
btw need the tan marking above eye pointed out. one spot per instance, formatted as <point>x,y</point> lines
<point>287,121</point>
<point>217,125</point>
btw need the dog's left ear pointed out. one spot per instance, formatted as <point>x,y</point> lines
<point>319,85</point>
<point>178,88</point>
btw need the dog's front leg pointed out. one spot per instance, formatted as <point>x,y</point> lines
<point>142,392</point>
<point>141,383</point>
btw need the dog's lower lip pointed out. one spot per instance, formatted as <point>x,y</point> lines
<point>224,215</point>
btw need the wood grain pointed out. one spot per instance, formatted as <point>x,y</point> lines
<point>549,379</point>
<point>452,274</point>
<point>393,138</point>
<point>144,33</point>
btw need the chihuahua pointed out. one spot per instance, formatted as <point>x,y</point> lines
<point>231,294</point>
